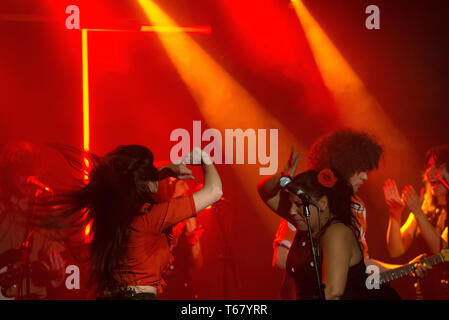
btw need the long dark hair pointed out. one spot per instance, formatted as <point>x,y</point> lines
<point>339,197</point>
<point>116,190</point>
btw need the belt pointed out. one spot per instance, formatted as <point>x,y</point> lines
<point>131,292</point>
<point>143,289</point>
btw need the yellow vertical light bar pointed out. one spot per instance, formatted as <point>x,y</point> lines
<point>86,131</point>
<point>86,127</point>
<point>86,122</point>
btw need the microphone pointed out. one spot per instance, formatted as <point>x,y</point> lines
<point>444,182</point>
<point>286,183</point>
<point>33,180</point>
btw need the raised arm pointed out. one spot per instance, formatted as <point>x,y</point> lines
<point>212,190</point>
<point>210,193</point>
<point>399,238</point>
<point>430,235</point>
<point>269,188</point>
<point>178,171</point>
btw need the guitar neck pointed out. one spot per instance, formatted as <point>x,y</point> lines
<point>408,269</point>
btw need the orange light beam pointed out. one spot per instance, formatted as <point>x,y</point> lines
<point>223,103</point>
<point>357,108</point>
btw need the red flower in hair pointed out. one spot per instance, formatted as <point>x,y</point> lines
<point>327,178</point>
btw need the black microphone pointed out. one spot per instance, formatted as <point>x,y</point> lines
<point>286,183</point>
<point>33,180</point>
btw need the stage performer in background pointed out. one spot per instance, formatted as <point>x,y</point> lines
<point>30,261</point>
<point>425,229</point>
<point>184,244</point>
<point>335,234</point>
<point>350,155</point>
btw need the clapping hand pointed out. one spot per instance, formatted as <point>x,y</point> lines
<point>411,199</point>
<point>393,199</point>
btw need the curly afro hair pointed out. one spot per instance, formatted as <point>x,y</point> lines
<point>347,152</point>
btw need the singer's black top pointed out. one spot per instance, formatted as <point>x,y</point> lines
<point>300,267</point>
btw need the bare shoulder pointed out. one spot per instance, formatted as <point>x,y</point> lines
<point>337,232</point>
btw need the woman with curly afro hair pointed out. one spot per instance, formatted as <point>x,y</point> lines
<point>348,152</point>
<point>350,155</point>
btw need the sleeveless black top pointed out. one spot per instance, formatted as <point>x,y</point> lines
<point>300,266</point>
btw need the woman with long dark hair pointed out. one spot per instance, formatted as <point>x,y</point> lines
<point>129,249</point>
<point>334,228</point>
<point>350,155</point>
<point>336,234</point>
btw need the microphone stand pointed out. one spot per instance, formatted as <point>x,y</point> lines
<point>285,183</point>
<point>446,186</point>
<point>306,203</point>
<point>227,257</point>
